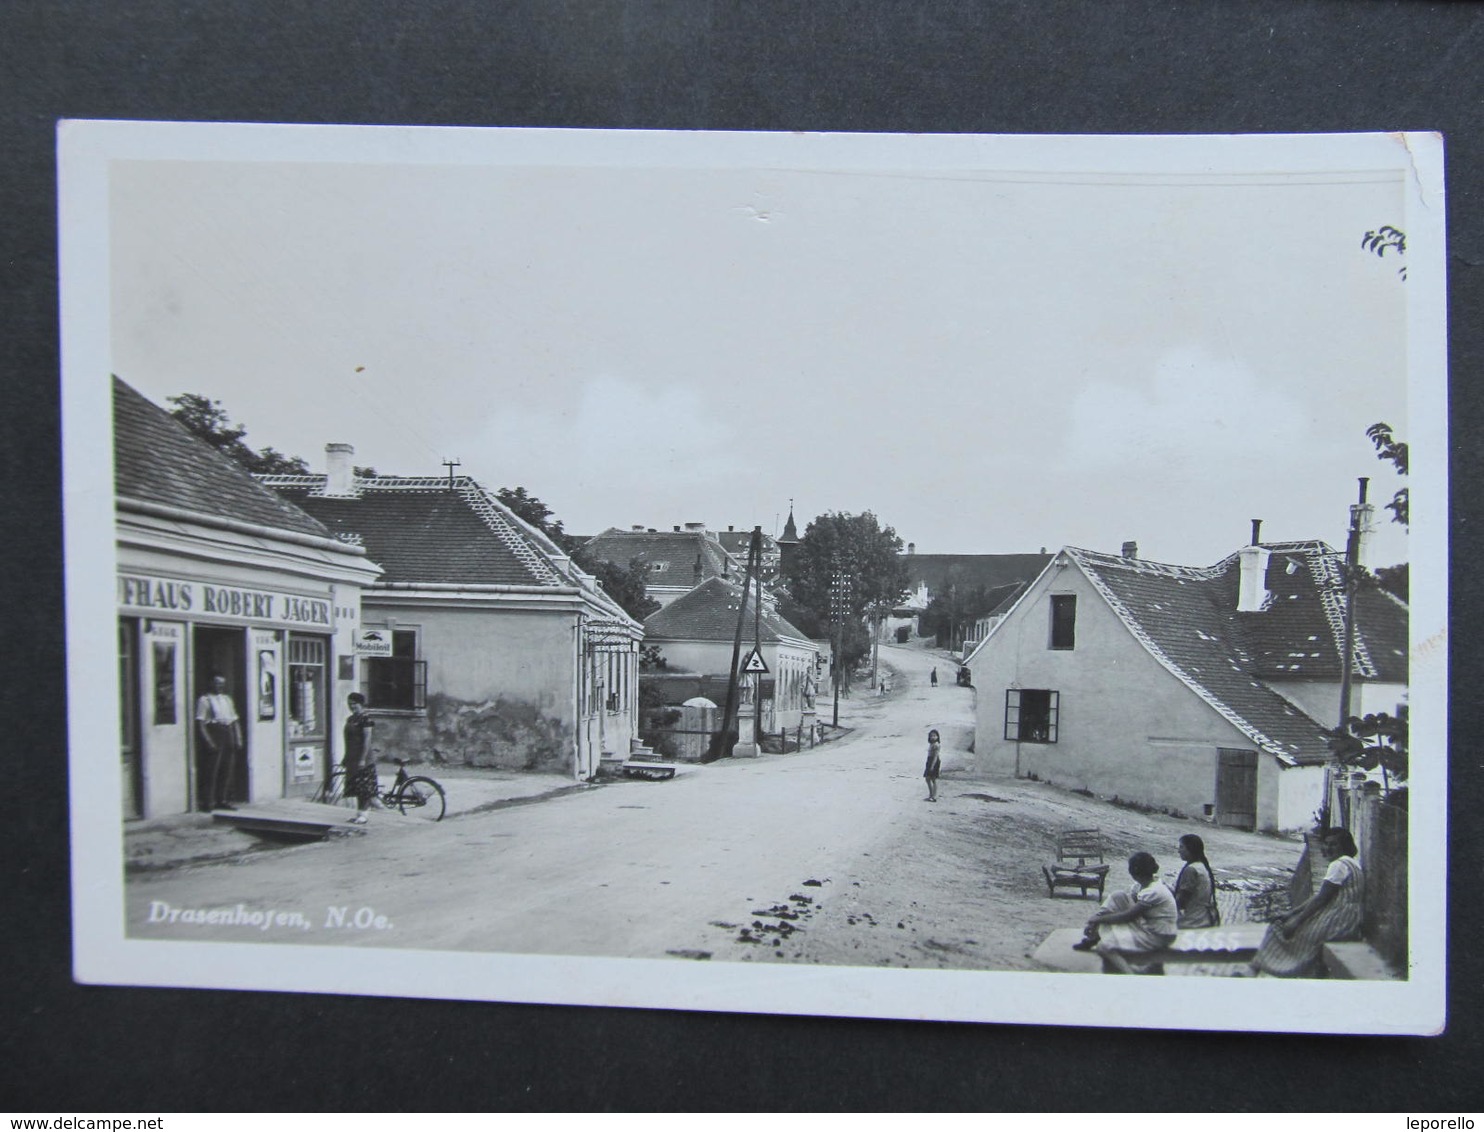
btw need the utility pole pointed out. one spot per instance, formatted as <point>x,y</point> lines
<point>839,609</point>
<point>721,743</point>
<point>1347,657</point>
<point>1352,576</point>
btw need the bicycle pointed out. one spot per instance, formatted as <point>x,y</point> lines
<point>414,794</point>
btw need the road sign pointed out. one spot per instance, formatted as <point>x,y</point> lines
<point>754,662</point>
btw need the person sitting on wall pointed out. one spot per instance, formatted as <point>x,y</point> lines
<point>1292,946</point>
<point>1195,887</point>
<point>1133,923</point>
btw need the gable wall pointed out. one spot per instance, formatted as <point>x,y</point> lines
<point>1127,727</point>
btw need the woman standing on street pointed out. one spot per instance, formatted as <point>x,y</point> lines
<point>934,765</point>
<point>1195,887</point>
<point>360,780</point>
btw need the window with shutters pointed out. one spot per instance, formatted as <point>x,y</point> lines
<point>1032,715</point>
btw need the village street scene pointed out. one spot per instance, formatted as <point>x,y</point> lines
<point>757,803</point>
<point>639,612</point>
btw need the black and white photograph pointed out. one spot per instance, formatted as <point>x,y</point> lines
<point>959,578</point>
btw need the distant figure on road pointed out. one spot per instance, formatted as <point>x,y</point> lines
<point>1133,923</point>
<point>1195,887</point>
<point>220,730</point>
<point>933,677</point>
<point>934,765</point>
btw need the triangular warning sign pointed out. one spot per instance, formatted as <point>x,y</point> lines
<point>754,662</point>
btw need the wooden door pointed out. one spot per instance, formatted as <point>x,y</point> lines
<point>1236,788</point>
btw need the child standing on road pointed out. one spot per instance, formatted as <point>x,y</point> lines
<point>934,765</point>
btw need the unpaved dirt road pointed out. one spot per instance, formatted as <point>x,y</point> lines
<point>824,856</point>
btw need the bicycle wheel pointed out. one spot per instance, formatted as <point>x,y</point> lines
<point>422,798</point>
<point>332,790</point>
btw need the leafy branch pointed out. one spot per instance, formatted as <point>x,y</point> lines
<point>1376,741</point>
<point>1385,239</point>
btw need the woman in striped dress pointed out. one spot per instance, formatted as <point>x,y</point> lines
<point>1292,945</point>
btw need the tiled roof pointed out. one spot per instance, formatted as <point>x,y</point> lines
<point>671,555</point>
<point>1187,618</point>
<point>737,543</point>
<point>987,570</point>
<point>709,613</point>
<point>421,531</point>
<point>156,459</point>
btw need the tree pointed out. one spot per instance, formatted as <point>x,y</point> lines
<point>533,511</point>
<point>1374,742</point>
<point>849,563</point>
<point>1393,451</point>
<point>209,421</point>
<point>625,585</point>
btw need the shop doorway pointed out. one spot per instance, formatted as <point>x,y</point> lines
<point>220,651</point>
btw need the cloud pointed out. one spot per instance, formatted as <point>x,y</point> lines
<point>617,440</point>
<point>1195,409</point>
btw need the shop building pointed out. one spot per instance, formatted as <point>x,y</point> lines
<point>482,644</point>
<point>219,575</point>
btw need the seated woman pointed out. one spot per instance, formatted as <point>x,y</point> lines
<point>1195,887</point>
<point>1133,923</point>
<point>1292,946</point>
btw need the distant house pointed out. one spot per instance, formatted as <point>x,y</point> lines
<point>481,642</point>
<point>695,634</point>
<point>1202,690</point>
<point>676,561</point>
<point>932,576</point>
<point>218,575</point>
<point>737,543</point>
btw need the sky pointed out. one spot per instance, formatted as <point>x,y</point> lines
<point>992,360</point>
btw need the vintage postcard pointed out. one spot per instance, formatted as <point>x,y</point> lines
<point>942,577</point>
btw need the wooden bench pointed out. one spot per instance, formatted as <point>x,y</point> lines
<point>647,764</point>
<point>289,818</point>
<point>1079,863</point>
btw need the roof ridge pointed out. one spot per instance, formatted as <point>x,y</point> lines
<point>491,511</point>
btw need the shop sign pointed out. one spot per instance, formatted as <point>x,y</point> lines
<point>152,594</point>
<point>304,763</point>
<point>374,642</point>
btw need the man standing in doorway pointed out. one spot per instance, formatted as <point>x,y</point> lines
<point>220,731</point>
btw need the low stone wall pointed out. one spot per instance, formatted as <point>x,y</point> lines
<point>505,733</point>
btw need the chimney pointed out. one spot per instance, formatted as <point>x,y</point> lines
<point>1252,583</point>
<point>1256,531</point>
<point>676,528</point>
<point>637,527</point>
<point>1131,549</point>
<point>911,548</point>
<point>1362,525</point>
<point>730,528</point>
<point>340,480</point>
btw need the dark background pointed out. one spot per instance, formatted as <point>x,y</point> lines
<point>1015,67</point>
